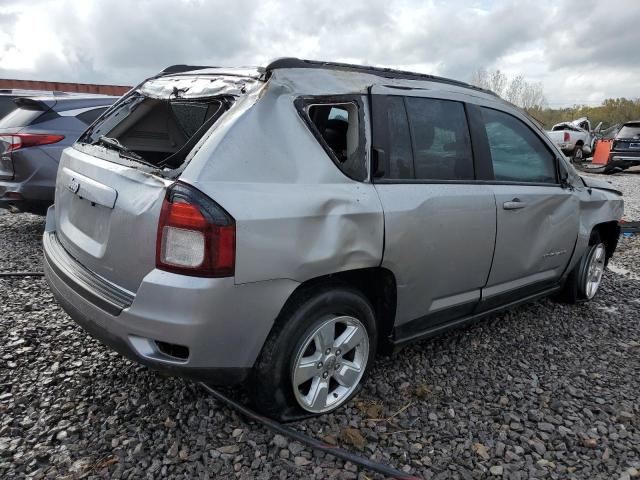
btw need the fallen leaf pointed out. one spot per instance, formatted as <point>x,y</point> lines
<point>353,437</point>
<point>330,439</point>
<point>422,390</point>
<point>375,411</point>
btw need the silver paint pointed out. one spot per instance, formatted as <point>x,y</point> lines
<point>299,218</point>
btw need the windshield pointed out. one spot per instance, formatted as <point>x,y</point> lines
<point>156,131</point>
<point>629,131</point>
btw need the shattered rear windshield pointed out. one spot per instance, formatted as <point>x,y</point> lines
<point>158,132</point>
<point>160,123</point>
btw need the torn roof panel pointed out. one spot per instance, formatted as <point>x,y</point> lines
<point>199,84</point>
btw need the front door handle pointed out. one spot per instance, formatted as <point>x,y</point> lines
<point>514,204</point>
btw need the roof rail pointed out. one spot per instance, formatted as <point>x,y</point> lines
<point>292,62</point>
<point>184,68</point>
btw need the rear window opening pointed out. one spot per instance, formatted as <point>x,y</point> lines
<point>157,132</point>
<point>338,128</point>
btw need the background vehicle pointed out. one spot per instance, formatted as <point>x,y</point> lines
<point>576,138</point>
<point>32,138</point>
<point>7,97</point>
<point>625,149</point>
<point>278,226</point>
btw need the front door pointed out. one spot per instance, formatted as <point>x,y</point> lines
<point>537,219</point>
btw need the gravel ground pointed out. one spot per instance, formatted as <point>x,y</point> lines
<point>542,391</point>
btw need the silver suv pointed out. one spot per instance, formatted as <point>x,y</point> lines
<point>279,226</point>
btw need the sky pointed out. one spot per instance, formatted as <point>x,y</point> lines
<point>582,51</point>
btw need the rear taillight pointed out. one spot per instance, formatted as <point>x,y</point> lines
<point>196,236</point>
<point>567,137</point>
<point>16,141</point>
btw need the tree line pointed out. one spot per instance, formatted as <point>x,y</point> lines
<point>530,96</point>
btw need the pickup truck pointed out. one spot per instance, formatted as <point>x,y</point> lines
<point>576,138</point>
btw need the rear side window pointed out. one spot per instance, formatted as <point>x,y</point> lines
<point>338,126</point>
<point>517,154</point>
<point>441,143</point>
<point>20,117</point>
<point>90,116</point>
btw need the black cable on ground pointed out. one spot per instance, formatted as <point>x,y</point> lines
<point>310,441</point>
<point>21,274</point>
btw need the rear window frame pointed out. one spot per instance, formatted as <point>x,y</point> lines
<point>302,104</point>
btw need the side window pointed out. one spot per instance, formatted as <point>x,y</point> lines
<point>400,154</point>
<point>90,116</point>
<point>338,125</point>
<point>517,153</point>
<point>441,143</point>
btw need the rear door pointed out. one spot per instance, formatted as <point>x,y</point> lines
<point>537,218</point>
<point>440,222</point>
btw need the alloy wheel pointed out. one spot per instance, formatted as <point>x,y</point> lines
<point>595,269</point>
<point>330,363</point>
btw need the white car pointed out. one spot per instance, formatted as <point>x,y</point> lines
<point>576,138</point>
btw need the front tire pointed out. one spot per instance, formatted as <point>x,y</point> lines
<point>584,280</point>
<point>317,356</point>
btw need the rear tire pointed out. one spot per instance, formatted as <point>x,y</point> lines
<point>584,281</point>
<point>301,371</point>
<point>578,155</point>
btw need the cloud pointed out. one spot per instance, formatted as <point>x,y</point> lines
<point>580,50</point>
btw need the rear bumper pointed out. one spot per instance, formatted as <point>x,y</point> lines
<point>622,160</point>
<point>34,180</point>
<point>633,157</point>
<point>24,197</point>
<point>222,325</point>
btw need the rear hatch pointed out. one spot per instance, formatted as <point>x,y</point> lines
<point>111,183</point>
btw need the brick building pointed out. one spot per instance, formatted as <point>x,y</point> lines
<point>64,87</point>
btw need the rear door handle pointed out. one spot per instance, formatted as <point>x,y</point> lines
<point>514,204</point>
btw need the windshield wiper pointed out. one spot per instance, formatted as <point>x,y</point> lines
<point>124,151</point>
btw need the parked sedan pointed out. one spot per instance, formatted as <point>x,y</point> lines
<point>32,138</point>
<point>278,226</point>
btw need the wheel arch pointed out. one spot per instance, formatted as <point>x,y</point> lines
<point>377,284</point>
<point>609,233</point>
